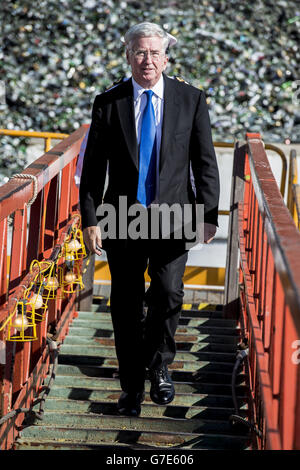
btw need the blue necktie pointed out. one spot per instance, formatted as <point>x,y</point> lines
<point>147,163</point>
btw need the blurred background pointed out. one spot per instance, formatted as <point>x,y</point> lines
<point>56,56</point>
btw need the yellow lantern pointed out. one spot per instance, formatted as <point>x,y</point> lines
<point>19,323</point>
<point>72,280</point>
<point>52,283</point>
<point>70,277</point>
<point>74,245</point>
<point>36,300</point>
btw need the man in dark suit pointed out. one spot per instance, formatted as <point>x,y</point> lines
<point>153,135</point>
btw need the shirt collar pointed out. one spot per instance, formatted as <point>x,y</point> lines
<point>158,89</point>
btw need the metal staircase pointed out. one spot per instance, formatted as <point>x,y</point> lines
<point>80,409</point>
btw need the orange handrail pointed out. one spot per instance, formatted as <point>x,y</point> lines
<point>50,179</point>
<point>270,302</point>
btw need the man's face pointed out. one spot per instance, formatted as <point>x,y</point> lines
<point>147,60</point>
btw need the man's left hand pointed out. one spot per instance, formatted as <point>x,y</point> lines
<point>209,232</point>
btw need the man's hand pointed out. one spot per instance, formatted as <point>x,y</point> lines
<point>209,232</point>
<point>92,239</point>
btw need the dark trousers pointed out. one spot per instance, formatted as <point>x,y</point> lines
<point>145,340</point>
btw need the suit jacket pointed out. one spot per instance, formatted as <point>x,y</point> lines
<point>186,153</point>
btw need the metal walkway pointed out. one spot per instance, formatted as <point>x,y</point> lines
<point>80,409</point>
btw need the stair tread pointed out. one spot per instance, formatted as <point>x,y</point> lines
<point>188,366</point>
<point>219,334</point>
<point>176,375</point>
<point>184,319</point>
<point>147,403</point>
<point>117,422</point>
<point>98,323</point>
<point>117,391</point>
<point>107,383</point>
<point>150,439</point>
<point>110,366</point>
<point>97,352</point>
<point>191,345</point>
<point>110,350</point>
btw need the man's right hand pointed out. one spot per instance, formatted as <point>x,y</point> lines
<point>92,239</point>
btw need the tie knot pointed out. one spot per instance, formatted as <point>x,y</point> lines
<point>149,94</point>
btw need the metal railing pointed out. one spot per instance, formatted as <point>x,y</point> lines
<point>47,136</point>
<point>267,147</point>
<point>269,285</point>
<point>39,226</point>
<point>269,279</point>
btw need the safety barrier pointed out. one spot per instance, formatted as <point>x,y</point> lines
<point>272,147</point>
<point>269,280</point>
<point>39,207</point>
<point>47,136</point>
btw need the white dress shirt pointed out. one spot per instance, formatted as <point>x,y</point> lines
<point>140,101</point>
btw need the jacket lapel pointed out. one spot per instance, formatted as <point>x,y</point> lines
<point>170,112</point>
<point>127,119</point>
<point>126,114</point>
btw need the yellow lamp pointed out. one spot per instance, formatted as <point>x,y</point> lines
<point>36,300</point>
<point>52,283</point>
<point>70,277</point>
<point>73,245</point>
<point>20,323</point>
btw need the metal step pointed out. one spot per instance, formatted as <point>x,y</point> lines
<point>85,392</point>
<point>189,344</point>
<point>201,326</point>
<point>111,371</point>
<point>181,356</point>
<point>65,377</point>
<point>207,318</point>
<point>80,411</point>
<point>182,334</point>
<point>149,409</point>
<point>114,422</point>
<point>65,438</point>
<point>194,367</point>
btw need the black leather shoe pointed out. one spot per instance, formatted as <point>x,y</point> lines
<point>162,389</point>
<point>129,404</point>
